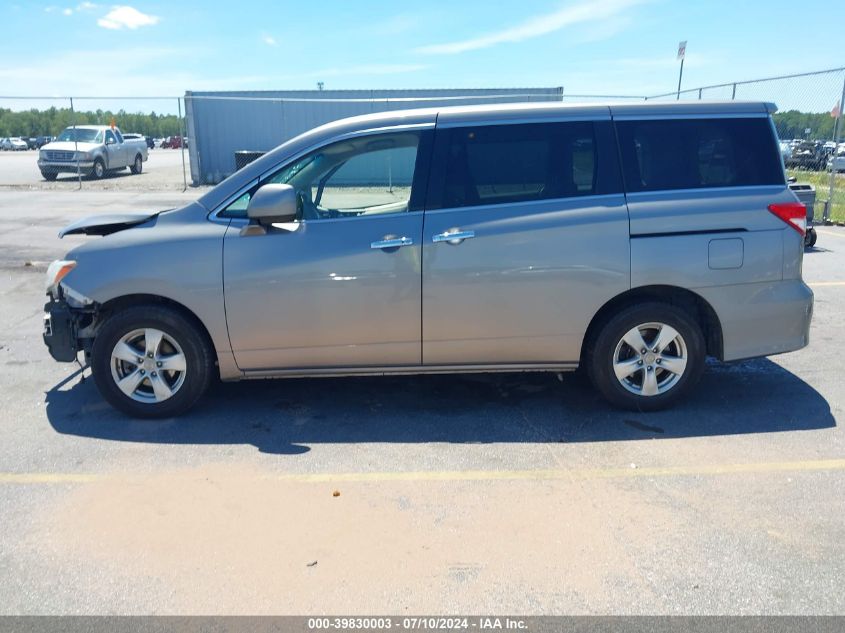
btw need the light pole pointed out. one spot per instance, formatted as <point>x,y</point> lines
<point>682,52</point>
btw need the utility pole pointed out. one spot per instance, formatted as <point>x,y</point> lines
<point>682,52</point>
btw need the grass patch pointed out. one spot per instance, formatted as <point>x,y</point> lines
<point>821,181</point>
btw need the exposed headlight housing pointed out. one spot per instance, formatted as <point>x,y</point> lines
<point>57,271</point>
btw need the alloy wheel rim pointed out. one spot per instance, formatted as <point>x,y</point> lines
<point>650,359</point>
<point>148,365</point>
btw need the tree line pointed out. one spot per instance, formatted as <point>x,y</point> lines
<point>793,123</point>
<point>50,122</point>
<point>790,124</point>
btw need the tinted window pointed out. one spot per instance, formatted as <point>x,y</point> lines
<point>499,164</point>
<point>698,153</point>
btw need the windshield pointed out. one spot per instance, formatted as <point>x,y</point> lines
<point>82,135</point>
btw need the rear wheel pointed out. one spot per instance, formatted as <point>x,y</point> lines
<point>49,175</point>
<point>646,357</point>
<point>138,165</point>
<point>151,362</point>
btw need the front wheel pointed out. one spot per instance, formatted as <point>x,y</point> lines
<point>99,169</point>
<point>137,166</point>
<point>151,362</point>
<point>49,175</point>
<point>646,357</point>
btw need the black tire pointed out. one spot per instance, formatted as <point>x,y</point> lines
<point>198,358</point>
<point>601,350</point>
<point>99,169</point>
<point>49,175</point>
<point>137,166</point>
<point>811,238</point>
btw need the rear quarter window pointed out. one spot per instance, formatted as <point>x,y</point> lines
<point>699,154</point>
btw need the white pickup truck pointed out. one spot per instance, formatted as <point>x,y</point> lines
<point>93,150</point>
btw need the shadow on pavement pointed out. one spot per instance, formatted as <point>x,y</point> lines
<point>287,416</point>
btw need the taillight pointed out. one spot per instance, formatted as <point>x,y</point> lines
<point>793,213</point>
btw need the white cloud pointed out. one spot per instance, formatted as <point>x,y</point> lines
<point>83,6</point>
<point>585,12</point>
<point>269,40</point>
<point>121,17</point>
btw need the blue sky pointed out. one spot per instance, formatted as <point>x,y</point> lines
<point>600,46</point>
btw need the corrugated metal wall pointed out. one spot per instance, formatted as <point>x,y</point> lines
<point>221,123</point>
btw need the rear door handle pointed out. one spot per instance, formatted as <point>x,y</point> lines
<point>453,236</point>
<point>392,242</point>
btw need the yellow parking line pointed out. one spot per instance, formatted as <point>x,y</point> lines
<point>826,283</point>
<point>475,475</point>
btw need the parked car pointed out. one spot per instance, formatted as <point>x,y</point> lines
<point>31,142</point>
<point>41,141</point>
<point>97,149</point>
<point>836,163</point>
<point>13,143</point>
<point>174,142</point>
<point>150,142</point>
<point>506,241</point>
<point>807,155</point>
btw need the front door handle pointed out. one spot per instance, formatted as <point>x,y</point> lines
<point>453,236</point>
<point>392,242</point>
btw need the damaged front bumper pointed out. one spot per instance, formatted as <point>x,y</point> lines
<point>60,331</point>
<point>66,329</point>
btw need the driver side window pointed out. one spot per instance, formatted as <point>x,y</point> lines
<point>368,175</point>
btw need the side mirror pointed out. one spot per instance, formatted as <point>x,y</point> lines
<point>272,203</point>
<point>110,141</point>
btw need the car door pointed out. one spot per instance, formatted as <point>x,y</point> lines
<point>113,158</point>
<point>339,288</point>
<point>123,150</point>
<point>526,237</point>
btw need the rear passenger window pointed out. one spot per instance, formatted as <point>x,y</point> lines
<point>699,153</point>
<point>500,164</point>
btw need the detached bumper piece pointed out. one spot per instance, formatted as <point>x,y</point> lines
<point>60,332</point>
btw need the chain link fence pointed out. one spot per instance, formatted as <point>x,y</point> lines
<point>44,144</point>
<point>809,124</point>
<point>186,146</point>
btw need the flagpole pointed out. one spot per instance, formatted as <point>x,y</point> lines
<point>680,76</point>
<point>827,207</point>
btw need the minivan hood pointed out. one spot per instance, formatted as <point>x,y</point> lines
<point>106,224</point>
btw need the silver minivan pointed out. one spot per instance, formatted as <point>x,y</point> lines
<point>632,240</point>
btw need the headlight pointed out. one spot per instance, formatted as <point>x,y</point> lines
<point>57,271</point>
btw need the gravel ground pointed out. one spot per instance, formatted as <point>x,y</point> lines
<point>161,172</point>
<point>511,493</point>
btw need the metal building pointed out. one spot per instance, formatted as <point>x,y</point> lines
<point>222,123</point>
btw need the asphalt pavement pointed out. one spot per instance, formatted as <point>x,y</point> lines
<point>503,493</point>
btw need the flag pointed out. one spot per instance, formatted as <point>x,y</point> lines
<point>836,111</point>
<point>113,123</point>
<point>682,49</point>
